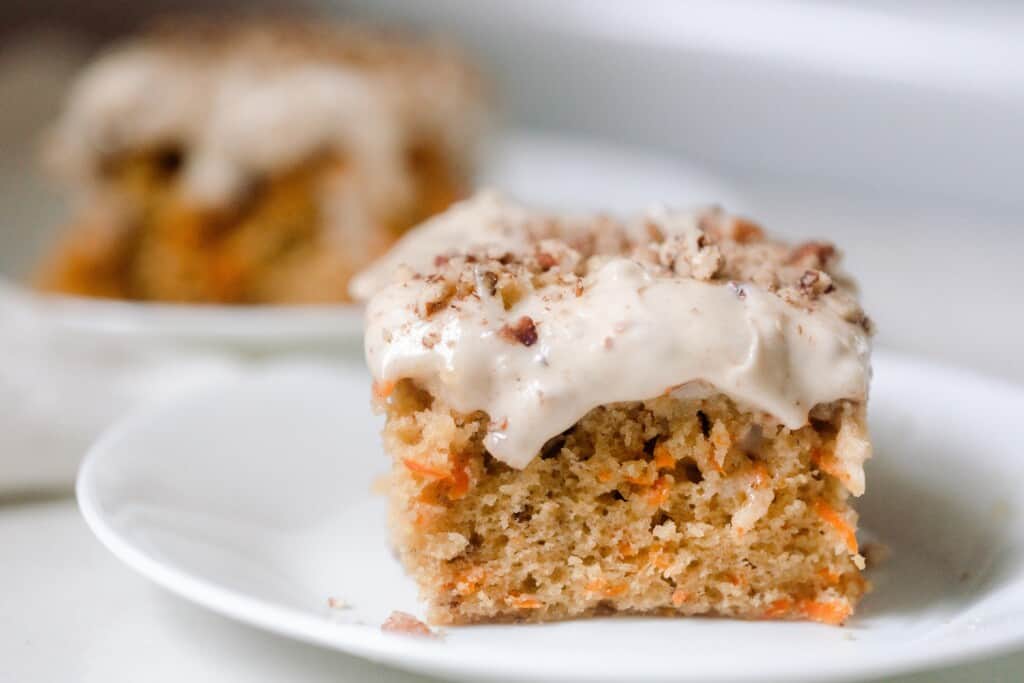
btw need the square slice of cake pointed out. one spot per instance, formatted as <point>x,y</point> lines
<point>589,416</point>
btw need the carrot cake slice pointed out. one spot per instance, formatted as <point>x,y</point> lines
<point>254,161</point>
<point>588,416</point>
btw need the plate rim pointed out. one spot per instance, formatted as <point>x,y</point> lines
<point>257,323</point>
<point>474,661</point>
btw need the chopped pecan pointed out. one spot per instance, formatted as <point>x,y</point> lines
<point>546,261</point>
<point>524,331</point>
<point>812,254</point>
<point>745,231</point>
<point>814,283</point>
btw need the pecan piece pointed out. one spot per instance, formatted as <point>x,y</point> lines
<point>524,331</point>
<point>812,254</point>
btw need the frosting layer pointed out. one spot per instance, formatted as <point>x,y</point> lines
<point>615,329</point>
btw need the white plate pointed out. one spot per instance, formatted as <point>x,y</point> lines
<point>254,500</point>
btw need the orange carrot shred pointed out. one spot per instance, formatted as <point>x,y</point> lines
<point>460,483</point>
<point>659,492</point>
<point>663,459</point>
<point>661,562</point>
<point>645,480</point>
<point>761,475</point>
<point>679,596</point>
<point>829,464</point>
<point>829,576</point>
<point>601,585</point>
<point>833,612</point>
<point>604,476</point>
<point>523,601</point>
<point>779,608</point>
<point>735,579</point>
<point>430,471</point>
<point>469,582</point>
<point>381,390</point>
<point>828,513</point>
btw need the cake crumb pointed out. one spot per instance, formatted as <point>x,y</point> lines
<point>406,624</point>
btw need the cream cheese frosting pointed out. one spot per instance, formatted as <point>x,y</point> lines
<point>611,327</point>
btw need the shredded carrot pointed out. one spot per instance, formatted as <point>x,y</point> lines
<point>381,390</point>
<point>833,612</point>
<point>735,579</point>
<point>761,475</point>
<point>429,496</point>
<point>604,476</point>
<point>659,560</point>
<point>523,601</point>
<point>829,464</point>
<point>429,471</point>
<point>679,596</point>
<point>469,582</point>
<point>601,585</point>
<point>458,478</point>
<point>616,589</point>
<point>663,459</point>
<point>460,483</point>
<point>626,549</point>
<point>829,576</point>
<point>646,480</point>
<point>779,608</point>
<point>659,492</point>
<point>829,514</point>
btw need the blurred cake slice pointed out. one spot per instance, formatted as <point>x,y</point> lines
<point>657,416</point>
<point>253,161</point>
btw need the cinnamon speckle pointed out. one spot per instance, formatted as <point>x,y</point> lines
<point>546,261</point>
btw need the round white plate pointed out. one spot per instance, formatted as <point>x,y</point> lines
<point>254,500</point>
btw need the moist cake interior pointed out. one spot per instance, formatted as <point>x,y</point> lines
<point>665,506</point>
